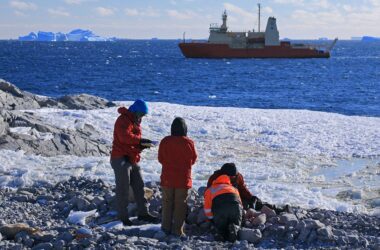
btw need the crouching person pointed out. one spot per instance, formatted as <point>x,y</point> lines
<point>177,154</point>
<point>249,200</point>
<point>222,204</point>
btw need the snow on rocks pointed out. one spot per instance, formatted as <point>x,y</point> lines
<point>56,223</point>
<point>25,131</point>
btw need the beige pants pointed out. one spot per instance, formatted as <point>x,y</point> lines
<point>174,208</point>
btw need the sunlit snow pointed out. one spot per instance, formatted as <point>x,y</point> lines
<point>298,157</point>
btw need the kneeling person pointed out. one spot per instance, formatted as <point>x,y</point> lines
<point>223,205</point>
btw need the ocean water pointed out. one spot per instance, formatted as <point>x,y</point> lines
<point>347,83</point>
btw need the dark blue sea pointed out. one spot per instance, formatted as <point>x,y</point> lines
<point>155,70</point>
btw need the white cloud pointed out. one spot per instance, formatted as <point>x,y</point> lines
<point>238,11</point>
<point>58,12</point>
<point>267,10</point>
<point>322,4</point>
<point>131,12</point>
<point>73,1</point>
<point>102,11</point>
<point>20,5</point>
<point>148,12</point>
<point>181,15</point>
<point>293,2</point>
<point>19,13</point>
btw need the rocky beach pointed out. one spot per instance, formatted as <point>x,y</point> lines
<point>78,213</point>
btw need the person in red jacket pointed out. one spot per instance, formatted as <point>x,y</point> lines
<point>125,155</point>
<point>222,205</point>
<point>237,180</point>
<point>177,154</point>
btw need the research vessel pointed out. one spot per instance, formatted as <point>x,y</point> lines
<point>252,44</point>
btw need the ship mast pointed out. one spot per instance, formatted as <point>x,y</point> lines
<point>259,14</point>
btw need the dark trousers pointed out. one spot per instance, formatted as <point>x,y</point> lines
<point>127,174</point>
<point>226,211</point>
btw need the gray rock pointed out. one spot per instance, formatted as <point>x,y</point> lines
<point>304,233</point>
<point>80,203</point>
<point>353,240</point>
<point>81,143</point>
<point>12,98</point>
<point>325,233</point>
<point>289,220</point>
<point>160,235</point>
<point>21,236</point>
<point>268,212</point>
<point>201,217</point>
<point>84,101</point>
<point>43,246</point>
<point>147,233</point>
<point>98,200</point>
<point>250,235</point>
<point>312,237</point>
<point>1,237</point>
<point>20,198</point>
<point>59,244</point>
<point>45,197</point>
<point>259,220</point>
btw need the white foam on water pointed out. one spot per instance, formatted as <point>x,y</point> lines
<point>284,155</point>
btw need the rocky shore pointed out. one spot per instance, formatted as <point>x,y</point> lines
<point>43,139</point>
<point>79,213</point>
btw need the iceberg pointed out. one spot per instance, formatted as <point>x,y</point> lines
<point>370,39</point>
<point>46,36</point>
<point>59,37</point>
<point>31,37</point>
<point>76,35</point>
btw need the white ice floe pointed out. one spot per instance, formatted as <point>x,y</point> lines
<point>299,157</point>
<point>79,217</point>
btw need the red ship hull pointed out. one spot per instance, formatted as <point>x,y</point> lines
<point>208,50</point>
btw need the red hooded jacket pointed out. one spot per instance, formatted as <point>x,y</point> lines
<point>176,154</point>
<point>126,137</point>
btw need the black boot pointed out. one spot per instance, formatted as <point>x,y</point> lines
<point>127,222</point>
<point>148,218</point>
<point>232,232</point>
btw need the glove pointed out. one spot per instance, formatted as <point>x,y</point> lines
<point>144,143</point>
<point>252,202</point>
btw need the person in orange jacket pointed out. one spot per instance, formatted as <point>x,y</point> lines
<point>177,155</point>
<point>249,200</point>
<point>125,155</point>
<point>222,205</point>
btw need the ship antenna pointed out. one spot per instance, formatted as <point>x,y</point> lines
<point>259,14</point>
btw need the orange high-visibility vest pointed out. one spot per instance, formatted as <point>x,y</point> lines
<point>221,185</point>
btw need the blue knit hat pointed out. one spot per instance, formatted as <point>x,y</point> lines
<point>139,106</point>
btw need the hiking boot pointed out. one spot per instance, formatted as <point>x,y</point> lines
<point>127,222</point>
<point>232,232</point>
<point>148,218</point>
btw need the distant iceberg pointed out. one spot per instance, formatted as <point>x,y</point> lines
<point>31,37</point>
<point>370,39</point>
<point>77,35</point>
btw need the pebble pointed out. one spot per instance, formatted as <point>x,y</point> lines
<point>305,229</point>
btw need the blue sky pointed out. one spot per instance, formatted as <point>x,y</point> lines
<point>170,18</point>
